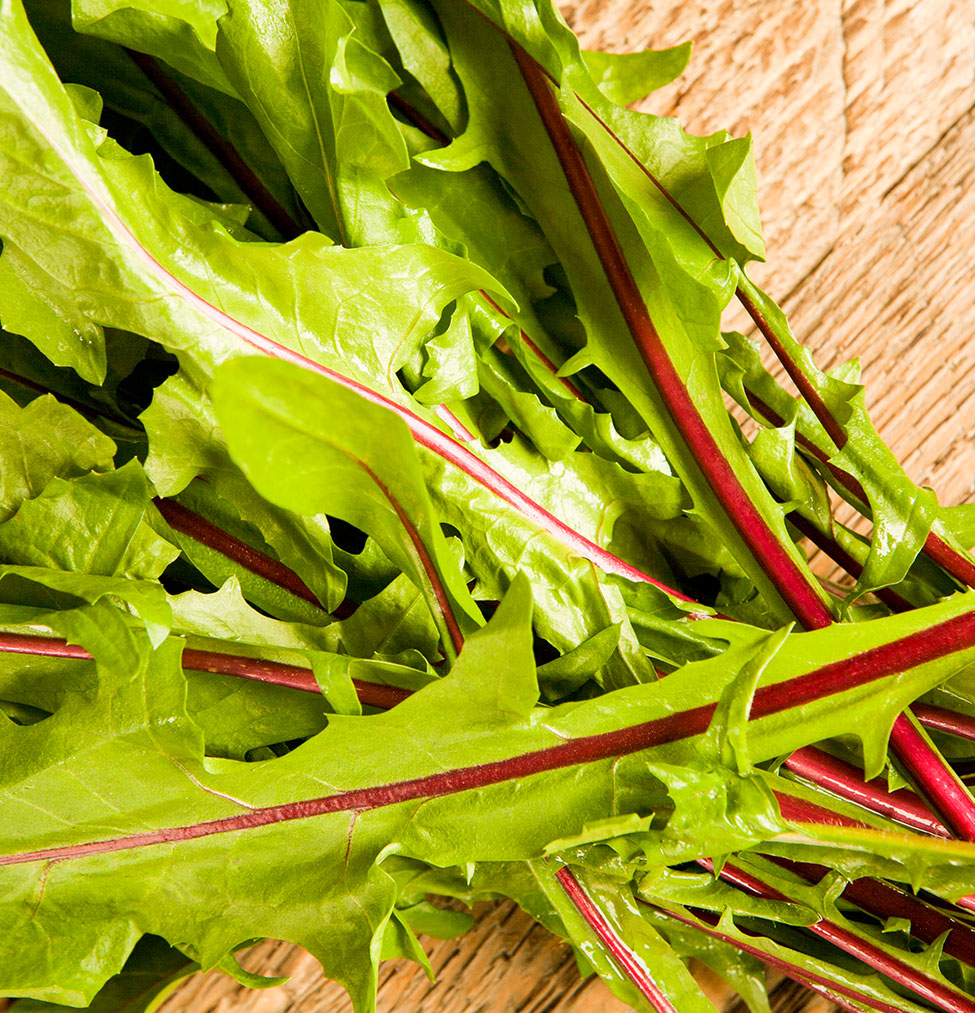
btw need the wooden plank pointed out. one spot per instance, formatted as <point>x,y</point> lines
<point>909,71</point>
<point>506,963</point>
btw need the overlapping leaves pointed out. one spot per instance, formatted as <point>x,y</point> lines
<point>447,275</point>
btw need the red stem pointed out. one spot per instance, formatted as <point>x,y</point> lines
<point>800,810</point>
<point>180,519</point>
<point>949,559</point>
<point>826,771</point>
<point>935,548</point>
<point>805,387</point>
<point>537,352</point>
<point>933,991</point>
<point>427,563</point>
<point>278,673</point>
<point>799,594</point>
<point>942,720</point>
<point>935,778</point>
<point>842,558</point>
<point>800,974</point>
<point>417,118</point>
<point>88,411</point>
<point>846,781</point>
<point>573,752</point>
<point>624,957</point>
<point>221,149</point>
<point>899,655</point>
<point>862,669</point>
<point>809,393</point>
<point>885,901</point>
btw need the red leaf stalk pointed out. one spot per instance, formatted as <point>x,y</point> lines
<point>180,519</point>
<point>373,694</point>
<point>624,957</point>
<point>825,986</point>
<point>798,593</point>
<point>847,781</point>
<point>943,996</point>
<point>221,149</point>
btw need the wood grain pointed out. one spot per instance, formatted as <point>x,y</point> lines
<point>864,132</point>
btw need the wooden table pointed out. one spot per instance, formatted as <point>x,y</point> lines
<point>862,114</point>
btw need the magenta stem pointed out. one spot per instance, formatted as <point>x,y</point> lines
<point>623,956</point>
<point>941,995</point>
<point>201,530</point>
<point>847,781</point>
<point>859,670</point>
<point>831,548</point>
<point>800,810</point>
<point>180,519</point>
<point>937,781</point>
<point>277,673</point>
<point>813,764</point>
<point>417,118</point>
<point>218,146</point>
<point>949,559</point>
<point>826,771</point>
<point>885,901</point>
<point>940,719</point>
<point>809,393</point>
<point>826,986</point>
<point>426,561</point>
<point>537,352</point>
<point>799,593</point>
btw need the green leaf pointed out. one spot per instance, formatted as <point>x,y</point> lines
<point>424,54</point>
<point>181,32</point>
<point>171,269</point>
<point>732,166</point>
<point>628,77</point>
<point>60,589</point>
<point>335,453</point>
<point>320,96</point>
<point>110,70</point>
<point>91,524</point>
<point>152,971</point>
<point>41,441</point>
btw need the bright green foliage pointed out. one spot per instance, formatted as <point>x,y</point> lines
<point>412,455</point>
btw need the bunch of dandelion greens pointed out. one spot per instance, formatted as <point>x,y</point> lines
<point>374,527</point>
